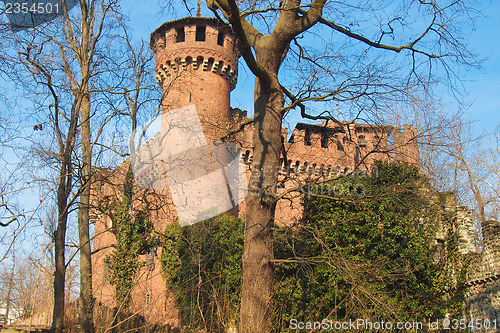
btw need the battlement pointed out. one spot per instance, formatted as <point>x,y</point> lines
<point>198,43</point>
<point>483,279</point>
<point>333,134</point>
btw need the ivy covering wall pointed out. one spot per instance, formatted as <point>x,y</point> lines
<point>367,252</point>
<point>134,236</point>
<point>202,264</point>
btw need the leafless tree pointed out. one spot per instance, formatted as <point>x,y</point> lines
<point>63,60</point>
<point>471,160</point>
<point>364,53</point>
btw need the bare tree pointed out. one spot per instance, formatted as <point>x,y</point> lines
<point>363,53</point>
<point>472,163</point>
<point>64,119</point>
<point>64,59</point>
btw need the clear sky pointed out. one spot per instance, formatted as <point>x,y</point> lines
<point>482,87</point>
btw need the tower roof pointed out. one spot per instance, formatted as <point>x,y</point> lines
<point>186,21</point>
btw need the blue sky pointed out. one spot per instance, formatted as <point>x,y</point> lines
<point>482,87</point>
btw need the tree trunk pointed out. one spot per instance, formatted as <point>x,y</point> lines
<point>258,269</point>
<point>11,284</point>
<point>59,248</point>
<point>86,296</point>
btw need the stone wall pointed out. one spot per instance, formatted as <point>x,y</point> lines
<point>483,286</point>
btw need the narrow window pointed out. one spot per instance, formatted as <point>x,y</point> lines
<point>181,35</point>
<point>340,146</point>
<point>441,248</point>
<point>324,140</point>
<point>200,33</point>
<point>220,38</point>
<point>150,257</point>
<point>307,138</point>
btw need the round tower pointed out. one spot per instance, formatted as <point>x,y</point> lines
<point>197,63</point>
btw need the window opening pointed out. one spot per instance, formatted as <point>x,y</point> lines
<point>150,257</point>
<point>181,35</point>
<point>324,140</point>
<point>307,138</point>
<point>220,39</point>
<point>200,33</point>
<point>362,141</point>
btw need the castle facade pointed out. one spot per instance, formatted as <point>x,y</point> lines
<point>197,64</point>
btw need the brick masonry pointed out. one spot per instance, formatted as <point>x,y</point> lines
<point>197,63</point>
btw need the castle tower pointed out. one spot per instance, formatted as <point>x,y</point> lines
<point>406,145</point>
<point>197,63</point>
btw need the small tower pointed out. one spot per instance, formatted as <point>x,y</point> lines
<point>197,63</point>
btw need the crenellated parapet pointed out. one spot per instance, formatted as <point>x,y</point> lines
<point>197,60</point>
<point>195,43</point>
<point>309,169</point>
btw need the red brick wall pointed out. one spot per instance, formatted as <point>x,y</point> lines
<point>203,73</point>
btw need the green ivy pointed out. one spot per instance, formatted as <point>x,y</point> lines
<point>372,250</point>
<point>134,237</point>
<point>202,264</point>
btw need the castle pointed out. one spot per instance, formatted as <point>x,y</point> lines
<point>197,64</point>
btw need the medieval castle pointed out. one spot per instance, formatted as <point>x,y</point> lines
<point>197,63</point>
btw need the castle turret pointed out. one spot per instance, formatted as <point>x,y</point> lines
<point>197,63</point>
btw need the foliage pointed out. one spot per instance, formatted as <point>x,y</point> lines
<point>372,248</point>
<point>202,264</point>
<point>134,237</point>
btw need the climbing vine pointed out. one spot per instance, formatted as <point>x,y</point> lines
<point>134,236</point>
<point>202,264</point>
<point>371,256</point>
<point>367,253</point>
